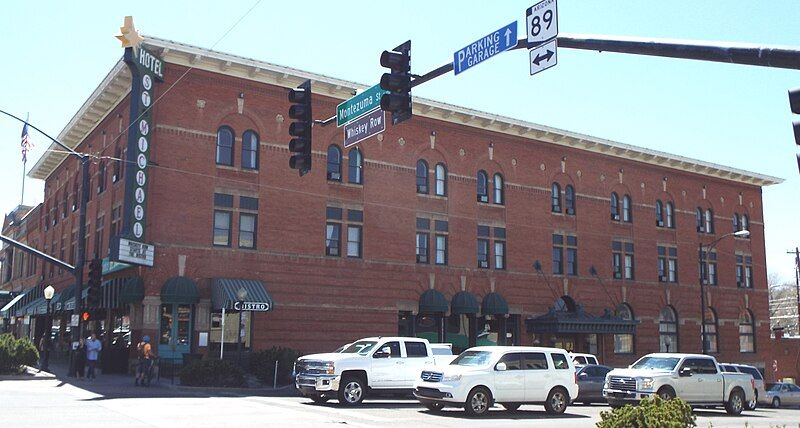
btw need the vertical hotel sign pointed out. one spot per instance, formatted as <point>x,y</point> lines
<point>146,68</point>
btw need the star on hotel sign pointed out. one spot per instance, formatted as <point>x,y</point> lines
<point>130,38</point>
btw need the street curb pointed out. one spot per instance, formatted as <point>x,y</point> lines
<point>286,391</point>
<point>30,374</point>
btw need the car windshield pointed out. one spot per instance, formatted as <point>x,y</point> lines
<point>472,358</point>
<point>656,363</point>
<point>773,387</point>
<point>361,347</point>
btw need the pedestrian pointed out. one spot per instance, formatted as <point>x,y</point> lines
<point>93,348</point>
<point>80,359</point>
<point>44,353</point>
<point>144,354</point>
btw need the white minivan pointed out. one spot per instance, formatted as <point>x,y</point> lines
<point>507,375</point>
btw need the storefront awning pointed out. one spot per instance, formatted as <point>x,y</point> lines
<point>578,321</point>
<point>132,291</point>
<point>494,304</point>
<point>431,302</point>
<point>225,292</point>
<point>66,299</point>
<point>464,303</point>
<point>5,310</point>
<point>179,290</point>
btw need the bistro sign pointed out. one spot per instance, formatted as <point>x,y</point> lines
<point>252,306</point>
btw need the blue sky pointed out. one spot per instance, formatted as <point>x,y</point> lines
<point>56,53</point>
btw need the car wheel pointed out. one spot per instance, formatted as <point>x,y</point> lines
<point>752,404</point>
<point>511,407</point>
<point>666,393</point>
<point>352,391</point>
<point>735,403</point>
<point>776,402</point>
<point>557,401</point>
<point>434,407</point>
<point>318,398</point>
<point>478,402</point>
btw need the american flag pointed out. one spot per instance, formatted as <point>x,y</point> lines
<point>25,143</point>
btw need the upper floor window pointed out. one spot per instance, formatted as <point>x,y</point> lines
<point>569,199</point>
<point>225,146</point>
<point>698,220</point>
<point>101,183</point>
<point>668,330</point>
<point>667,264</point>
<point>659,213</point>
<point>555,198</point>
<point>249,150</point>
<point>745,222</point>
<point>441,180</point>
<point>736,224</point>
<point>747,336</point>
<point>670,211</point>
<point>614,206</point>
<point>422,177</point>
<point>565,249</point>
<point>499,189</point>
<point>483,186</point>
<point>622,259</point>
<point>627,209</point>
<point>710,336</point>
<point>709,221</point>
<point>708,267</point>
<point>334,163</point>
<point>355,171</point>
<point>744,271</point>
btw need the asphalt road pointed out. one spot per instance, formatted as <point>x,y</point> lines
<point>51,403</point>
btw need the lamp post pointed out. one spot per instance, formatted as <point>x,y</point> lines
<point>49,291</point>
<point>703,266</point>
<point>241,295</point>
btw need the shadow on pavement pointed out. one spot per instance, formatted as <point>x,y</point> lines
<point>499,413</point>
<point>710,413</point>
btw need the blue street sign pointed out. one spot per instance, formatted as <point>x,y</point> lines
<point>485,48</point>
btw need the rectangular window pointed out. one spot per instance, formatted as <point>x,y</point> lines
<point>744,271</point>
<point>708,267</point>
<point>247,230</point>
<point>667,264</point>
<point>332,239</point>
<point>483,253</point>
<point>416,350</point>
<point>422,247</point>
<point>441,249</point>
<point>98,238</point>
<point>247,203</point>
<point>499,254</point>
<point>622,260</point>
<point>628,266</point>
<point>558,261</point>
<point>354,241</point>
<point>223,200</point>
<point>222,228</point>
<point>565,248</point>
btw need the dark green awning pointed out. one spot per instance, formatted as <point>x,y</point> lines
<point>225,292</point>
<point>464,303</point>
<point>494,304</point>
<point>179,290</point>
<point>132,291</point>
<point>432,301</point>
<point>66,299</point>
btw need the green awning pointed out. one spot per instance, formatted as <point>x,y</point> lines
<point>11,304</point>
<point>66,299</point>
<point>225,292</point>
<point>432,301</point>
<point>494,304</point>
<point>132,291</point>
<point>464,303</point>
<point>179,290</point>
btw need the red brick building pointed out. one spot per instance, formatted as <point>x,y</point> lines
<point>434,228</point>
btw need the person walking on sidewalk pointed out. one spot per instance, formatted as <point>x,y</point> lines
<point>80,359</point>
<point>144,354</point>
<point>93,348</point>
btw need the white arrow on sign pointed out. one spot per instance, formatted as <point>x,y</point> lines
<point>543,57</point>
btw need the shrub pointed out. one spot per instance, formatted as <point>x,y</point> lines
<point>650,413</point>
<point>15,353</point>
<point>262,364</point>
<point>212,373</point>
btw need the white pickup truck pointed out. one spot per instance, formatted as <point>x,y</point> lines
<point>696,379</point>
<point>374,365</point>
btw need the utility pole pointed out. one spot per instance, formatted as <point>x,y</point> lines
<point>796,253</point>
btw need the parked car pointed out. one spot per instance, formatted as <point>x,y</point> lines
<point>696,379</point>
<point>761,393</point>
<point>591,378</point>
<point>508,375</point>
<point>783,394</point>
<point>583,359</point>
<point>374,365</point>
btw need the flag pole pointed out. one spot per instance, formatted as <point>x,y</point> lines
<point>24,165</point>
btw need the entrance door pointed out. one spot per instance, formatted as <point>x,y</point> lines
<point>176,331</point>
<point>565,342</point>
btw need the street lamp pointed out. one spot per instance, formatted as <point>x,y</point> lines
<point>49,291</point>
<point>703,266</point>
<point>241,295</point>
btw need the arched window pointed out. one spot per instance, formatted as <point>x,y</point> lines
<point>698,218</point>
<point>670,215</point>
<point>483,186</point>
<point>747,332</point>
<point>710,336</point>
<point>355,172</point>
<point>334,163</point>
<point>709,221</point>
<point>555,198</point>
<point>623,343</point>
<point>736,225</point>
<point>668,330</point>
<point>745,222</point>
<point>614,206</point>
<point>499,189</point>
<point>225,146</point>
<point>249,150</point>
<point>627,206</point>
<point>441,179</point>
<point>422,176</point>
<point>659,213</point>
<point>569,199</point>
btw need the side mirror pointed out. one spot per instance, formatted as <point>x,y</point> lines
<point>501,367</point>
<point>380,354</point>
<point>685,372</point>
<point>583,375</point>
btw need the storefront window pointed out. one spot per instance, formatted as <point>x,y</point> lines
<point>166,324</point>
<point>184,323</point>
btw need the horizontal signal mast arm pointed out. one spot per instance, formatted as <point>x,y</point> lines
<point>37,253</point>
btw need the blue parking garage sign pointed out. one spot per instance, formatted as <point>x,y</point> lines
<point>485,48</point>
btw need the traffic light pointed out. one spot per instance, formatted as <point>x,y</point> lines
<point>397,82</point>
<point>300,129</point>
<point>794,103</point>
<point>87,316</point>
<point>94,292</point>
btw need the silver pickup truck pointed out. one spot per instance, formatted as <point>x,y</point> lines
<point>696,379</point>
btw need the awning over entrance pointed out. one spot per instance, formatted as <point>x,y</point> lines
<point>494,304</point>
<point>66,299</point>
<point>431,302</point>
<point>464,303</point>
<point>132,291</point>
<point>578,321</point>
<point>179,289</point>
<point>225,292</point>
<point>5,310</point>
